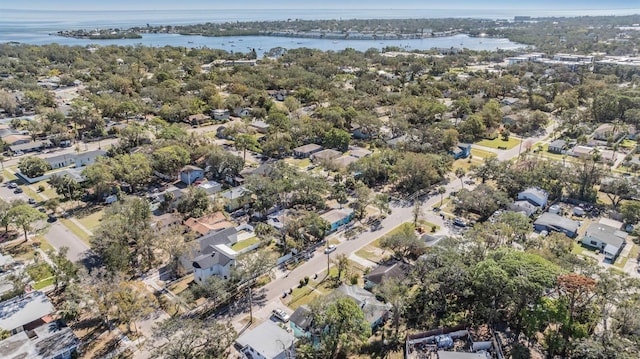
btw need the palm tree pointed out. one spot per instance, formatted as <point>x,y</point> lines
<point>441,191</point>
<point>460,173</point>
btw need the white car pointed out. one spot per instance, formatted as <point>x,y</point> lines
<point>281,314</point>
<point>330,249</point>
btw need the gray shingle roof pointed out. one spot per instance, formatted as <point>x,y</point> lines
<point>268,339</point>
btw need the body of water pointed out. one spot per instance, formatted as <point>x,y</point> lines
<point>36,27</point>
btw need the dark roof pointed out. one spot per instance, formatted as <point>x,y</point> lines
<point>387,271</point>
<point>302,317</point>
<point>558,144</point>
<point>555,221</point>
<point>308,148</point>
<point>214,257</point>
<point>215,238</point>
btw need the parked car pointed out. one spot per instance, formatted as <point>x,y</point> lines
<point>32,201</point>
<point>52,218</point>
<point>13,185</point>
<point>18,190</point>
<point>459,222</point>
<point>281,314</point>
<point>330,249</point>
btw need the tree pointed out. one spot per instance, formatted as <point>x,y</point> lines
<point>339,193</point>
<point>631,212</point>
<point>124,239</point>
<point>460,173</point>
<point>617,190</point>
<point>342,264</point>
<point>483,200</point>
<point>134,169</point>
<point>490,169</point>
<point>253,265</point>
<point>169,160</point>
<point>33,166</point>
<point>244,142</point>
<point>343,326</point>
<point>338,139</point>
<point>66,186</point>
<point>381,202</point>
<point>404,244</point>
<point>193,339</point>
<point>396,293</point>
<point>64,270</point>
<point>100,176</point>
<point>441,190</point>
<point>362,200</point>
<point>195,203</point>
<point>175,245</point>
<point>132,303</point>
<point>24,216</point>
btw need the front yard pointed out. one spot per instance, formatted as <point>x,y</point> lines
<point>499,143</point>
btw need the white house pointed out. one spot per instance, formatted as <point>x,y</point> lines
<point>607,239</point>
<point>536,196</point>
<point>267,341</point>
<point>217,259</point>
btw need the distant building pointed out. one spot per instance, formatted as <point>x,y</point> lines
<point>375,311</point>
<point>525,207</point>
<point>394,270</point>
<point>325,155</point>
<point>300,322</point>
<point>337,218</point>
<point>557,146</point>
<point>236,198</point>
<point>190,174</point>
<point>197,120</point>
<point>211,222</point>
<point>220,114</point>
<point>536,196</point>
<point>461,150</point>
<point>307,150</point>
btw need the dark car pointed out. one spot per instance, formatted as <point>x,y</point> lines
<point>52,218</point>
<point>32,201</point>
<point>18,190</point>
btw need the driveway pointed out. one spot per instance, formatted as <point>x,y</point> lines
<point>59,236</point>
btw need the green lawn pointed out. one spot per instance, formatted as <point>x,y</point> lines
<point>577,248</point>
<point>475,152</point>
<point>39,271</point>
<point>628,144</point>
<point>368,254</point>
<point>76,230</point>
<point>301,163</point>
<point>498,142</point>
<point>31,193</point>
<point>92,221</point>
<point>44,283</point>
<point>238,246</point>
<point>8,176</point>
<point>465,164</point>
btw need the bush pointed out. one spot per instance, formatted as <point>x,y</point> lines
<point>354,279</point>
<point>302,284</point>
<point>40,188</point>
<point>306,280</point>
<point>433,229</point>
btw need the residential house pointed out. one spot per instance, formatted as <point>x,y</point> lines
<point>16,139</point>
<point>25,312</point>
<point>87,158</point>
<point>325,155</point>
<point>375,311</point>
<point>52,340</point>
<point>394,270</point>
<point>165,222</point>
<point>260,126</point>
<point>190,174</point>
<point>397,141</point>
<point>461,150</point>
<point>236,198</point>
<point>197,120</point>
<point>278,95</point>
<point>525,207</point>
<point>344,161</point>
<point>337,218</point>
<point>553,222</point>
<point>360,133</point>
<point>511,119</point>
<point>267,341</point>
<point>307,150</point>
<point>557,146</point>
<point>216,259</point>
<point>30,146</point>
<point>242,112</point>
<point>300,322</point>
<point>211,187</point>
<point>536,196</point>
<point>60,161</point>
<point>509,101</point>
<point>211,222</point>
<point>608,131</point>
<point>609,240</point>
<point>581,151</point>
<point>220,114</point>
<point>359,152</point>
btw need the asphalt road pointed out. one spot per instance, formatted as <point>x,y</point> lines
<point>59,236</point>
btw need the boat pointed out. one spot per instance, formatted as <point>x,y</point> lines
<point>189,42</point>
<point>335,42</point>
<point>299,43</point>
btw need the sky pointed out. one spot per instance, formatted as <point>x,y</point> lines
<point>323,4</point>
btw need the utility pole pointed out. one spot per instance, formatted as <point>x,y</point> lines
<point>250,305</point>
